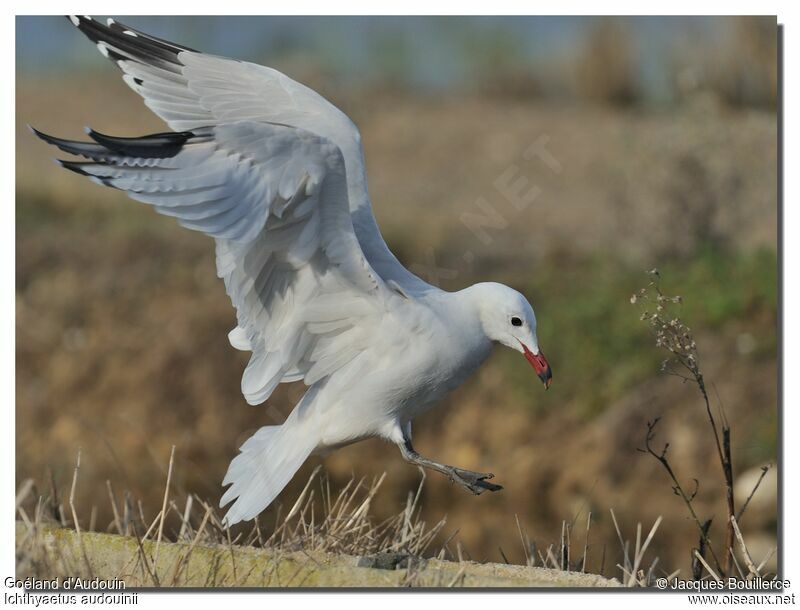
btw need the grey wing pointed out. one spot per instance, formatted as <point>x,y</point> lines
<point>274,198</point>
<point>189,89</point>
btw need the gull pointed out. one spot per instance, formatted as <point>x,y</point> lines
<point>275,174</point>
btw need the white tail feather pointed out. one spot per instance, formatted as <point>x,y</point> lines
<point>267,462</point>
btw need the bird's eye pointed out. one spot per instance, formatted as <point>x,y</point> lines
<point>515,321</point>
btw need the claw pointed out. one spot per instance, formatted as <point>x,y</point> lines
<point>476,482</point>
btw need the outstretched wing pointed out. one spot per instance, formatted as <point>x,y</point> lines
<point>275,200</point>
<point>189,90</point>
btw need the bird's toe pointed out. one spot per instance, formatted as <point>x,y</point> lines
<point>476,482</point>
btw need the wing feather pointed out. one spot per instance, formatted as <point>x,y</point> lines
<point>275,200</point>
<point>191,90</point>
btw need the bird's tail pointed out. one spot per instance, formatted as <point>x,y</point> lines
<point>266,463</point>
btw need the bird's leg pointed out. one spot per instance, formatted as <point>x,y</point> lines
<point>476,482</point>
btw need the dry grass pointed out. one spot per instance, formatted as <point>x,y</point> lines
<point>319,521</point>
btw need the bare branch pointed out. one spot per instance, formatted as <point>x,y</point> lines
<point>764,471</point>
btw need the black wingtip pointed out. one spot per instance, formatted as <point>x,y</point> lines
<point>73,166</point>
<point>80,21</point>
<point>146,38</point>
<point>52,140</point>
<point>90,150</point>
<point>118,42</point>
<point>157,145</point>
<point>78,168</point>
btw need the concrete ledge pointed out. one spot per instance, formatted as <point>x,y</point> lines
<point>179,565</point>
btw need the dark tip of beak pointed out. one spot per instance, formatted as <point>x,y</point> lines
<point>547,377</point>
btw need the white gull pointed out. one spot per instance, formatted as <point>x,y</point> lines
<point>275,174</point>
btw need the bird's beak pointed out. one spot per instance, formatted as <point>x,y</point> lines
<point>539,364</point>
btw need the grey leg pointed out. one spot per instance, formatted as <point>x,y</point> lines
<point>476,482</point>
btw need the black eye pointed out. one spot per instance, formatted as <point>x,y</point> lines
<point>515,321</point>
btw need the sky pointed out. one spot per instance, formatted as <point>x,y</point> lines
<point>429,53</point>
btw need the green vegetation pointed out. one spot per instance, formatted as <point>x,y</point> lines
<point>590,332</point>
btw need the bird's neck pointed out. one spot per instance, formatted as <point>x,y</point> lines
<point>468,306</point>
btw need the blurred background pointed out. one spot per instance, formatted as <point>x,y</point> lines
<point>631,143</point>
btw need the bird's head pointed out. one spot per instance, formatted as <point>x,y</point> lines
<point>507,317</point>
